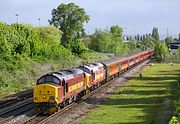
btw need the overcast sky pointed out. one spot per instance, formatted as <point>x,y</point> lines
<point>137,16</point>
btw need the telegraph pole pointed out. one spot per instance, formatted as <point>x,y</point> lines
<point>17,18</point>
<point>39,22</point>
<point>167,33</point>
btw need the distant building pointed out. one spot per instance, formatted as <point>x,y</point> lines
<point>173,47</point>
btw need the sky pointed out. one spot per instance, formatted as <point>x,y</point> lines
<point>134,16</point>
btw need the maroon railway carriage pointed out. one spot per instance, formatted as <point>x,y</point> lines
<point>112,67</point>
<point>141,56</point>
<point>124,64</point>
<point>131,60</point>
<point>137,58</point>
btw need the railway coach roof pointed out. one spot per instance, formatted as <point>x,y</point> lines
<point>118,59</point>
<point>112,61</point>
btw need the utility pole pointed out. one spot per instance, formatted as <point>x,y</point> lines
<point>39,22</point>
<point>167,35</point>
<point>17,18</point>
<point>125,35</point>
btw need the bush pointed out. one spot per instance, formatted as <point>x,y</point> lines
<point>77,47</point>
<point>174,120</point>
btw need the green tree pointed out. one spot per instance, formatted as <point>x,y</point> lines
<point>148,42</point>
<point>155,34</point>
<point>101,41</point>
<point>144,36</point>
<point>161,50</point>
<point>169,40</point>
<point>69,18</point>
<point>109,41</point>
<point>132,46</point>
<point>77,47</point>
<point>138,37</point>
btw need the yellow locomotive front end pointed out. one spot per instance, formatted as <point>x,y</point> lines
<point>45,98</point>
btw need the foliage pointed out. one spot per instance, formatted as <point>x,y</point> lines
<point>174,120</point>
<point>100,41</point>
<point>77,47</point>
<point>29,41</point>
<point>86,41</point>
<point>9,39</point>
<point>148,42</point>
<point>108,41</point>
<point>132,46</point>
<point>49,34</point>
<point>22,45</point>
<point>69,18</point>
<point>91,56</point>
<point>169,40</point>
<point>28,52</point>
<point>155,34</point>
<point>161,50</point>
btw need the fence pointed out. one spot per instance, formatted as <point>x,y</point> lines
<point>171,60</point>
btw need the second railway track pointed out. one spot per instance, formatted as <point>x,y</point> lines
<point>12,99</point>
<point>14,110</point>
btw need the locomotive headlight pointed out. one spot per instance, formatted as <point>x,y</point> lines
<point>52,97</point>
<point>44,97</point>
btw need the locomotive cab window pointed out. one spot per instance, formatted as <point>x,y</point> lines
<point>85,70</point>
<point>48,79</point>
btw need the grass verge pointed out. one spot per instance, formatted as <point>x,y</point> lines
<point>142,100</point>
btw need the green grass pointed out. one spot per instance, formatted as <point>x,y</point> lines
<point>143,100</point>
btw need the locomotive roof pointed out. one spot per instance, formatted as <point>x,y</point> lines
<point>65,74</point>
<point>76,71</point>
<point>93,66</point>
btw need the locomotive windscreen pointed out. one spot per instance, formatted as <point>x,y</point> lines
<point>48,79</point>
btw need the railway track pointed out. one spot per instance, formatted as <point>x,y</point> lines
<point>12,99</point>
<point>38,119</point>
<point>8,113</point>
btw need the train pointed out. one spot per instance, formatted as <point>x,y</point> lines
<point>56,90</point>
